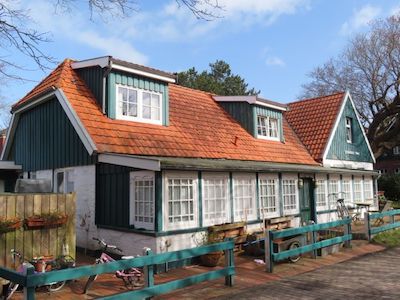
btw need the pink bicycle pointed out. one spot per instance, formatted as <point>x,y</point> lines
<point>132,277</point>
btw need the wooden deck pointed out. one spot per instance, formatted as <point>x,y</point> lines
<point>249,275</point>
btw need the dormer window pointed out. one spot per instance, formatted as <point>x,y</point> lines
<point>267,128</point>
<point>138,105</point>
<point>349,133</point>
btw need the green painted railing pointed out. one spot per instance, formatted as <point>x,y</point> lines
<point>378,217</point>
<point>30,279</point>
<point>271,235</point>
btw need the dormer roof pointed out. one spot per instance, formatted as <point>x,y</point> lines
<point>313,121</point>
<point>199,127</point>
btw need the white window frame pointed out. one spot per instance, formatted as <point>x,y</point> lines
<point>361,182</point>
<point>167,225</point>
<point>263,213</point>
<point>225,178</point>
<point>139,94</point>
<point>68,172</point>
<point>296,183</point>
<point>253,213</point>
<point>268,137</point>
<point>368,182</point>
<point>333,196</point>
<point>349,130</point>
<point>323,184</point>
<point>347,195</point>
<point>133,178</point>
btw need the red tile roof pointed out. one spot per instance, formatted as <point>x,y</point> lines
<point>313,121</point>
<point>199,127</point>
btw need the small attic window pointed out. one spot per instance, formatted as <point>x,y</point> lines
<point>138,105</point>
<point>267,128</point>
<point>349,130</point>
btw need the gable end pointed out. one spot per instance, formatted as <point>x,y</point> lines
<point>338,148</point>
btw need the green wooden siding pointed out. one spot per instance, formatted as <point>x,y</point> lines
<point>342,150</point>
<point>242,112</point>
<point>137,82</point>
<point>112,195</point>
<point>45,139</point>
<point>267,112</point>
<point>93,78</point>
<point>246,114</point>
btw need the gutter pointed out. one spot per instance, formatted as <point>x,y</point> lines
<point>106,72</point>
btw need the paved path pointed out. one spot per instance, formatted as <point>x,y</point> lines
<point>373,276</point>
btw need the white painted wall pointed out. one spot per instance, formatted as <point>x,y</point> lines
<point>130,243</point>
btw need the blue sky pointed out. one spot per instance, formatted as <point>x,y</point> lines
<point>273,44</point>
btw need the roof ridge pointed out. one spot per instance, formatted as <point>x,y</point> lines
<point>192,89</point>
<point>316,98</point>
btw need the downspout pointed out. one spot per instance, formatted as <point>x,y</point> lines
<point>105,75</point>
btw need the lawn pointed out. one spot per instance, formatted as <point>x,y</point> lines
<point>389,238</point>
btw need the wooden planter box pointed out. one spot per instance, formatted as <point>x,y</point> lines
<point>16,224</point>
<point>211,259</point>
<point>329,250</point>
<point>38,222</point>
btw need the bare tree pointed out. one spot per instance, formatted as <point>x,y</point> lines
<point>370,69</point>
<point>17,36</point>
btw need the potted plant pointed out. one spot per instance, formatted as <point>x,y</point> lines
<point>10,224</point>
<point>211,259</point>
<point>46,220</point>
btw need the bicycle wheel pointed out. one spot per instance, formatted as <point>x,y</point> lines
<point>12,287</point>
<point>56,286</point>
<point>294,245</point>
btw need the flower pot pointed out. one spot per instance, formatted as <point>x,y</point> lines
<point>211,259</point>
<point>34,222</point>
<point>41,222</point>
<point>10,225</point>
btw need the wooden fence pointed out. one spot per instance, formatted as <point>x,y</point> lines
<point>37,242</point>
<point>378,217</point>
<point>271,256</point>
<point>147,262</point>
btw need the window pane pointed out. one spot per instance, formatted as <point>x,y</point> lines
<point>180,192</point>
<point>144,200</point>
<point>215,209</point>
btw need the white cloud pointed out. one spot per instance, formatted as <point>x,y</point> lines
<point>78,28</point>
<point>176,22</point>
<point>275,61</point>
<point>360,19</point>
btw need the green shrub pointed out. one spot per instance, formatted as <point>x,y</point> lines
<point>390,184</point>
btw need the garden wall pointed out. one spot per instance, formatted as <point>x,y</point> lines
<point>34,242</point>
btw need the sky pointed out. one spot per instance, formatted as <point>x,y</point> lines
<point>272,44</point>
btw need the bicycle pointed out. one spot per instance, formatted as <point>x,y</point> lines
<point>131,277</point>
<point>62,262</point>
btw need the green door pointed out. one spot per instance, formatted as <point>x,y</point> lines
<point>307,204</point>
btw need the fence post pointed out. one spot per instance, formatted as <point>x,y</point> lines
<point>148,270</point>
<point>29,292</point>
<point>268,245</point>
<point>347,230</point>
<point>229,262</point>
<point>391,219</point>
<point>367,226</point>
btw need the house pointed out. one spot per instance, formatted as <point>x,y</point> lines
<point>154,164</point>
<point>389,162</point>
